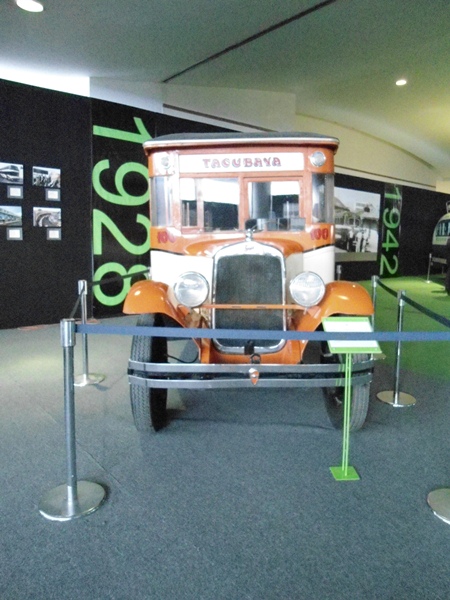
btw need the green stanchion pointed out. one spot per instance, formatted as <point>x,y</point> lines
<point>344,472</point>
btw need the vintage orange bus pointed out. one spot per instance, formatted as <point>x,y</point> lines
<point>242,238</point>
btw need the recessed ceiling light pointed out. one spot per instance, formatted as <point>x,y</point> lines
<point>401,81</point>
<point>30,5</point>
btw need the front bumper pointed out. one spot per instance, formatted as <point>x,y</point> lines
<point>217,376</point>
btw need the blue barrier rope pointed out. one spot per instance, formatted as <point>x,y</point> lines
<point>175,332</point>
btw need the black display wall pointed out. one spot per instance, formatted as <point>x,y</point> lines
<point>44,139</point>
<point>422,209</point>
<point>73,200</point>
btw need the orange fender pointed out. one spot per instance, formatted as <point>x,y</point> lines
<point>341,298</point>
<point>151,297</point>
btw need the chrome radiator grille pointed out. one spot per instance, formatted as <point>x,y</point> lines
<point>249,278</point>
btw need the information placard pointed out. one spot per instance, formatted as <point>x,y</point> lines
<point>350,325</point>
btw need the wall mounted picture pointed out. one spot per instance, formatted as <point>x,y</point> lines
<point>357,216</point>
<point>11,173</point>
<point>44,216</point>
<point>11,216</point>
<point>46,177</point>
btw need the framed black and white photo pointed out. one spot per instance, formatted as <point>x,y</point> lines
<point>47,177</point>
<point>357,216</point>
<point>46,216</point>
<point>11,173</point>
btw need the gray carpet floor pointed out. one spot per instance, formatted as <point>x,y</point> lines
<point>234,500</point>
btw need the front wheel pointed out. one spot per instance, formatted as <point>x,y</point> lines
<point>360,395</point>
<point>149,405</point>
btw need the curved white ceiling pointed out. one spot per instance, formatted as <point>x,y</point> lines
<point>340,58</point>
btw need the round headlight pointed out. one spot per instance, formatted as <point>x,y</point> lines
<point>317,158</point>
<point>191,289</point>
<point>307,289</point>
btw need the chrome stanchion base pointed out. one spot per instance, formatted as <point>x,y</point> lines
<point>55,504</point>
<point>91,379</point>
<point>401,401</point>
<point>439,502</point>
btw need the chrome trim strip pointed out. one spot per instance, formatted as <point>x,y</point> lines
<point>224,383</point>
<point>215,376</point>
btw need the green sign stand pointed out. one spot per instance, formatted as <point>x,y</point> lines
<point>348,347</point>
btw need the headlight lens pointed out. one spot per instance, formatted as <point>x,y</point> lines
<point>307,289</point>
<point>191,289</point>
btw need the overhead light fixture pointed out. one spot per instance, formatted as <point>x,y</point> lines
<point>30,5</point>
<point>401,82</point>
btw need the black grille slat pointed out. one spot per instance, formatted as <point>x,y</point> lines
<point>249,279</point>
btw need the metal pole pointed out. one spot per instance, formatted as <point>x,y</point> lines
<point>82,289</point>
<point>430,258</point>
<point>86,378</point>
<point>396,398</point>
<point>398,345</point>
<point>374,298</point>
<point>68,343</point>
<point>73,499</point>
<point>338,272</point>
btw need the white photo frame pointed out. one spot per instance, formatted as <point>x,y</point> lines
<point>14,234</point>
<point>53,234</point>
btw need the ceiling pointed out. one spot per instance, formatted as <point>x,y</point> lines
<point>340,58</point>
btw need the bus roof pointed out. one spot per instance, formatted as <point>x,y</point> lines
<point>184,140</point>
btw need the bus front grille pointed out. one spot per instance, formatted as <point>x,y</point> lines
<point>249,278</point>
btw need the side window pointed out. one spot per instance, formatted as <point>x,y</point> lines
<point>161,201</point>
<point>275,204</point>
<point>322,198</point>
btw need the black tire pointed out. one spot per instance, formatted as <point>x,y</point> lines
<point>334,398</point>
<point>149,405</point>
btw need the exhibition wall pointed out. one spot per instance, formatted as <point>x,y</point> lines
<point>74,206</point>
<point>45,164</point>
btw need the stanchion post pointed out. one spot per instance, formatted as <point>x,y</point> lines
<point>430,259</point>
<point>374,298</point>
<point>395,398</point>
<point>86,378</point>
<point>68,343</point>
<point>73,499</point>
